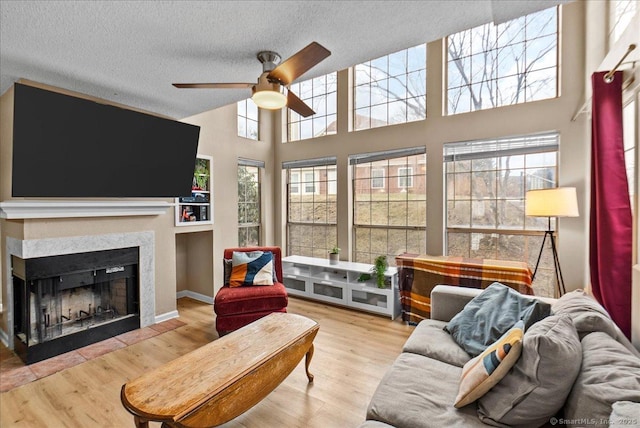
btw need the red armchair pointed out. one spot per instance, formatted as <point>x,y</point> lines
<point>236,307</point>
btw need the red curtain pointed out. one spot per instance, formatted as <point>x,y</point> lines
<point>611,220</point>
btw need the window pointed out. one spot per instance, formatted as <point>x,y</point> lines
<point>405,177</point>
<point>320,95</point>
<point>311,214</point>
<point>389,215</point>
<point>248,119</point>
<point>391,89</point>
<point>497,65</point>
<point>621,14</point>
<point>486,182</point>
<point>377,178</point>
<point>249,214</point>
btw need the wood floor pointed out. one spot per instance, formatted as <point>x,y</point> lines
<point>353,350</point>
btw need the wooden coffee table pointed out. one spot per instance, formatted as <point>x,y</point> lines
<point>225,378</point>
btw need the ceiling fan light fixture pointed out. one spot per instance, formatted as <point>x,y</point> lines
<point>269,99</point>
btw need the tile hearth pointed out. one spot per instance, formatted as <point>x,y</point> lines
<point>13,372</point>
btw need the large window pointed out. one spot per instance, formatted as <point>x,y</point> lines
<point>486,182</point>
<point>320,95</point>
<point>498,65</point>
<point>621,13</point>
<point>249,216</point>
<point>248,119</point>
<point>389,204</point>
<point>391,89</point>
<point>311,207</point>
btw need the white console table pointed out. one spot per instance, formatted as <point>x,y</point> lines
<point>315,278</point>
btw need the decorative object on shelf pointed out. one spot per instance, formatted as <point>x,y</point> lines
<point>364,277</point>
<point>201,175</point>
<point>197,208</point>
<point>380,266</point>
<point>554,202</point>
<point>334,256</point>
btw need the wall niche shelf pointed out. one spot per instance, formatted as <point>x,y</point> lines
<point>317,279</point>
<point>197,209</point>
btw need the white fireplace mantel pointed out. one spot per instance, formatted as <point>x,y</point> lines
<point>25,209</point>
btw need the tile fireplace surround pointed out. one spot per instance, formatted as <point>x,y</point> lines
<point>32,248</point>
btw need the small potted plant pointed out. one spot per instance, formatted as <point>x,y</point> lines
<point>334,255</point>
<point>380,266</point>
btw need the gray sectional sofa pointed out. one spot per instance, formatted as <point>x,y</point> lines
<point>420,388</point>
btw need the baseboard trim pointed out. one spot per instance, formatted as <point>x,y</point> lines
<point>166,316</point>
<point>195,296</point>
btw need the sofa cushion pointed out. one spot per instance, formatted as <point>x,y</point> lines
<point>609,373</point>
<point>490,314</point>
<point>418,392</point>
<point>589,316</point>
<point>538,385</point>
<point>481,373</point>
<point>430,340</point>
<point>251,268</point>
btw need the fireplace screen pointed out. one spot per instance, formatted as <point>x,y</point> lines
<point>61,312</point>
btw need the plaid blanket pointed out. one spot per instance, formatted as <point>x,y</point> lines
<point>418,274</point>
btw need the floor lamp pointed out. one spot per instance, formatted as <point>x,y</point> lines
<point>554,202</point>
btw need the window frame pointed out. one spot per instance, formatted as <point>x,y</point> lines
<point>245,226</point>
<point>315,228</point>
<point>408,232</point>
<point>246,119</point>
<point>371,88</point>
<point>320,101</point>
<point>495,52</point>
<point>532,230</point>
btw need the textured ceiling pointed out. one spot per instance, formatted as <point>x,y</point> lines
<point>131,51</point>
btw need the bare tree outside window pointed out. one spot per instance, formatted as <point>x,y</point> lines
<point>320,94</point>
<point>497,65</point>
<point>391,89</point>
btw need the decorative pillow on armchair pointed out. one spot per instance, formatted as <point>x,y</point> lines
<point>490,314</point>
<point>251,268</point>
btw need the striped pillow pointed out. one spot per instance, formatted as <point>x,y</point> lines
<point>251,268</point>
<point>481,373</point>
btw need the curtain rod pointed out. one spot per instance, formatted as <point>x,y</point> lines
<point>608,78</point>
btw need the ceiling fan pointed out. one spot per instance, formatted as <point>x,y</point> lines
<point>269,92</point>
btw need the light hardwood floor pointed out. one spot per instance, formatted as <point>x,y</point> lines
<point>353,350</point>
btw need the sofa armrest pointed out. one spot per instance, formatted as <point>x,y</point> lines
<point>448,300</point>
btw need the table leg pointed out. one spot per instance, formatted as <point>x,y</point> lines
<point>140,423</point>
<point>307,362</point>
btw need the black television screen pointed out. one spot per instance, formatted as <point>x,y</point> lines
<point>65,146</point>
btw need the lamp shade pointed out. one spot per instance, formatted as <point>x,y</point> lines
<point>555,202</point>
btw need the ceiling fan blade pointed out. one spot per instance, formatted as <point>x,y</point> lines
<point>213,85</point>
<point>299,63</point>
<point>297,105</point>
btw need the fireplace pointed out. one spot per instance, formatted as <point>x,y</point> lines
<point>64,302</point>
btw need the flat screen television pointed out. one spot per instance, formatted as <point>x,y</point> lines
<point>70,147</point>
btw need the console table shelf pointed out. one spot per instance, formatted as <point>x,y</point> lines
<point>318,279</point>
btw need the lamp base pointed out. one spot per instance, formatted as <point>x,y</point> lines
<point>556,262</point>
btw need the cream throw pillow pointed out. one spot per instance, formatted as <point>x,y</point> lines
<point>481,373</point>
